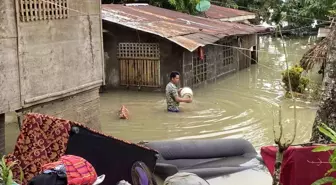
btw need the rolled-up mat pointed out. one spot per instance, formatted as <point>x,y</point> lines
<point>206,158</point>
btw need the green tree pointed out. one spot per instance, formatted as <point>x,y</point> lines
<point>185,6</point>
<point>266,10</point>
<point>320,9</point>
<point>298,13</point>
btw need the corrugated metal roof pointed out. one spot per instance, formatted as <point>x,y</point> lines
<point>219,12</point>
<point>185,30</point>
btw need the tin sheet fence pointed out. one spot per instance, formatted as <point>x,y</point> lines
<point>139,64</point>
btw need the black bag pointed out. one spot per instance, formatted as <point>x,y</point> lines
<point>49,179</point>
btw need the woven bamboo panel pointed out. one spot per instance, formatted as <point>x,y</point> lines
<point>139,50</point>
<point>35,10</point>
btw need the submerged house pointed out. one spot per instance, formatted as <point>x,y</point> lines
<point>143,44</point>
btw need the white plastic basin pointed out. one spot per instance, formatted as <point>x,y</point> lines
<point>186,92</point>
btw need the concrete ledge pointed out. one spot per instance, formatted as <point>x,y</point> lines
<point>61,94</point>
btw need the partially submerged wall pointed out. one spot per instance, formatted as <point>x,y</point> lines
<point>51,60</point>
<point>246,42</point>
<point>61,57</point>
<point>218,62</point>
<point>9,68</point>
<point>170,54</point>
<point>83,107</point>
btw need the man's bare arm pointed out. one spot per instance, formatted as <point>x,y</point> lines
<point>185,100</point>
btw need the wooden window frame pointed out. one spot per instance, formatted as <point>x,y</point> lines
<point>38,10</point>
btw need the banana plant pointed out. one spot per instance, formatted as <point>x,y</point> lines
<point>6,173</point>
<point>324,129</point>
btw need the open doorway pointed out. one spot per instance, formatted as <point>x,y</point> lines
<point>254,55</point>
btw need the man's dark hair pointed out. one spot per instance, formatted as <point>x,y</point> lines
<point>173,74</point>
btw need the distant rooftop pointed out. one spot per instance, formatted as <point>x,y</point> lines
<point>228,14</point>
<point>185,30</point>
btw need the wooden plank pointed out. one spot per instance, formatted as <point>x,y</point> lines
<point>131,72</point>
<point>31,10</point>
<point>127,80</point>
<point>142,72</point>
<point>66,12</point>
<point>44,6</point>
<point>35,16</point>
<point>27,10</point>
<point>48,10</point>
<point>61,10</point>
<point>57,9</point>
<point>137,72</point>
<point>145,73</point>
<point>53,8</point>
<point>153,72</point>
<point>125,72</point>
<point>129,66</point>
<point>150,80</point>
<point>23,11</point>
<point>134,72</point>
<point>40,7</point>
<point>122,72</point>
<point>157,74</point>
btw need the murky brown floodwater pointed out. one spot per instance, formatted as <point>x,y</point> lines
<point>240,105</point>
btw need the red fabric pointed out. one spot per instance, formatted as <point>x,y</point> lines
<point>78,170</point>
<point>201,53</point>
<point>300,166</point>
<point>43,139</point>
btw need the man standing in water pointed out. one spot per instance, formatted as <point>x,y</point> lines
<point>173,93</point>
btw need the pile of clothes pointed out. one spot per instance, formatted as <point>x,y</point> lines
<point>69,170</point>
<point>74,170</point>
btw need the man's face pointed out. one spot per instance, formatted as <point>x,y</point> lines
<point>176,80</point>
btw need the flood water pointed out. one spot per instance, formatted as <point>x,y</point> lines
<point>240,105</point>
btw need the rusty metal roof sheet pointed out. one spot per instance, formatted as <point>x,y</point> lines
<point>185,30</point>
<point>219,12</point>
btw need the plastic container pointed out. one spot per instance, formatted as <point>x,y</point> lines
<point>187,92</point>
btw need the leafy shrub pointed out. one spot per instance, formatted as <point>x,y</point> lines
<point>298,82</point>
